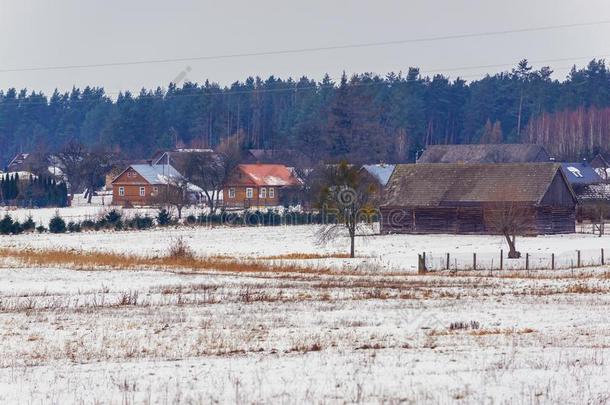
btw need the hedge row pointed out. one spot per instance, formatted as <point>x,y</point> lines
<point>114,220</point>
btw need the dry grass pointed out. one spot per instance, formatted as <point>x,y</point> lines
<point>84,260</point>
<point>306,256</point>
<point>499,331</point>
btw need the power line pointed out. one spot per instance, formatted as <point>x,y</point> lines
<point>307,50</point>
<point>430,72</point>
<point>294,87</point>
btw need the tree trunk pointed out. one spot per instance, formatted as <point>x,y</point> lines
<point>512,251</point>
<point>352,247</point>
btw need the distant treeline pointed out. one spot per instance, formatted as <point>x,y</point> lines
<point>364,118</point>
<point>32,191</point>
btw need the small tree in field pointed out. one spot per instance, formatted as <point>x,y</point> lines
<point>173,194</point>
<point>346,196</point>
<point>509,219</point>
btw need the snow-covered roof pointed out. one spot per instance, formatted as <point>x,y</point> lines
<point>157,174</point>
<point>381,172</point>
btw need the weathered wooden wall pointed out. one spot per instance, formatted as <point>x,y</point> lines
<point>471,220</point>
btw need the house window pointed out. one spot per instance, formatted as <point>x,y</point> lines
<point>231,193</point>
<point>262,193</point>
<point>249,192</point>
<point>142,191</point>
<point>271,192</point>
<point>121,191</point>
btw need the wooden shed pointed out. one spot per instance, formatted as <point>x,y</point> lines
<point>461,198</point>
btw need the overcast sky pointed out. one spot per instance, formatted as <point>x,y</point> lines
<point>40,33</point>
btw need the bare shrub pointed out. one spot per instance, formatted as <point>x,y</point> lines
<point>464,325</point>
<point>128,298</point>
<point>179,249</point>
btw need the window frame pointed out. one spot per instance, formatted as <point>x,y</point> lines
<point>271,192</point>
<point>231,193</point>
<point>121,191</point>
<point>249,193</point>
<point>262,192</point>
<point>142,191</point>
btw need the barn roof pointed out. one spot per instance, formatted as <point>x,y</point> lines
<point>580,173</point>
<point>487,153</point>
<point>421,185</point>
<point>381,172</point>
<point>269,175</point>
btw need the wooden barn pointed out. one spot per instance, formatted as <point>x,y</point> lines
<point>466,198</point>
<point>485,153</point>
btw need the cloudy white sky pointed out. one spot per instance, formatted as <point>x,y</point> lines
<point>43,33</point>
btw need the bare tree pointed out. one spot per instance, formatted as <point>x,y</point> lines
<point>210,170</point>
<point>71,160</point>
<point>347,196</point>
<point>173,194</point>
<point>84,169</point>
<point>509,219</point>
<point>92,170</point>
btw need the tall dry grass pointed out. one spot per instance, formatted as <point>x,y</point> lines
<point>90,260</point>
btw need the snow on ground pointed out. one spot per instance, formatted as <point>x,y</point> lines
<point>379,335</point>
<point>389,252</point>
<point>42,216</point>
<point>159,337</point>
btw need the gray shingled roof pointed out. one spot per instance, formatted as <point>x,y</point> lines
<point>430,185</point>
<point>487,153</point>
<point>157,174</point>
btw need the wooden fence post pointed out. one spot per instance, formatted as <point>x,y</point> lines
<point>501,258</point>
<point>474,261</point>
<point>603,261</point>
<point>552,261</point>
<point>527,261</point>
<point>578,258</point>
<point>421,263</point>
<point>447,261</point>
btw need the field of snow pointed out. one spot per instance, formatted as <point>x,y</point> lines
<point>378,333</point>
<point>389,252</point>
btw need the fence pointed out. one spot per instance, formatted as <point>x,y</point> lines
<point>428,261</point>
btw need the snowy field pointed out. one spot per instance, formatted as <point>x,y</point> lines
<point>374,333</point>
<point>389,252</point>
